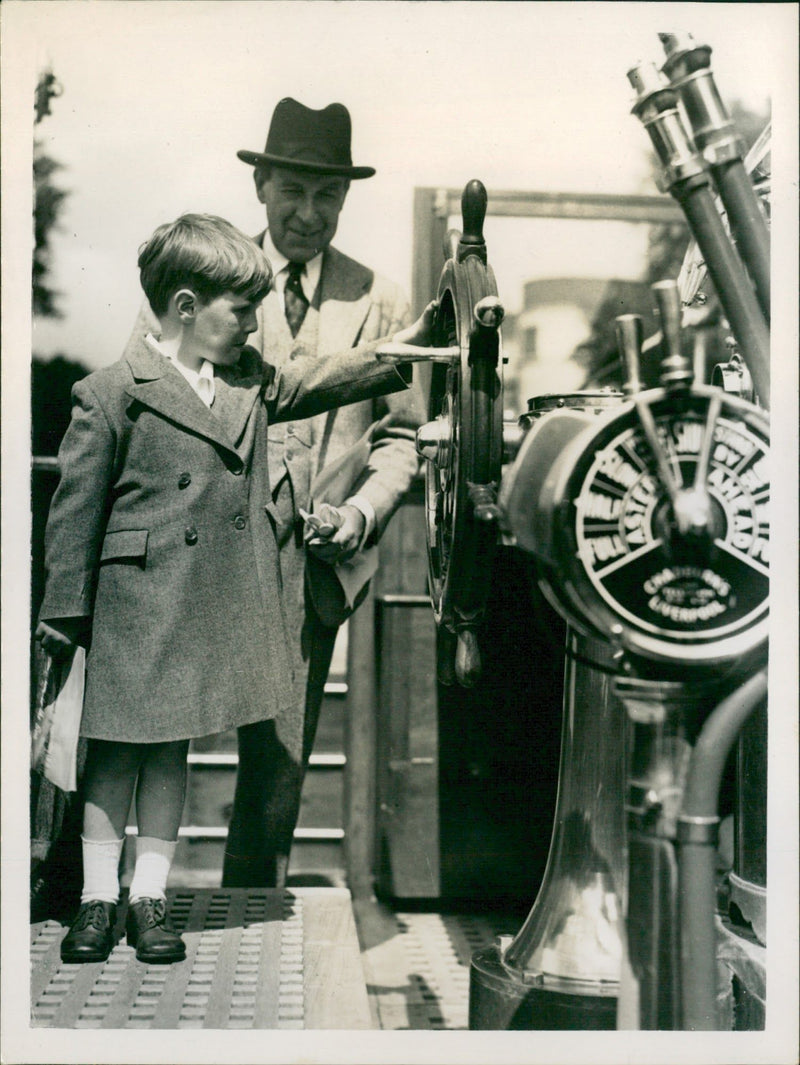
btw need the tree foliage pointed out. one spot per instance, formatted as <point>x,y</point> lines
<point>47,204</point>
<point>51,384</point>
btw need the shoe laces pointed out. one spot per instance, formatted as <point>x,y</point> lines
<point>91,914</point>
<point>153,911</point>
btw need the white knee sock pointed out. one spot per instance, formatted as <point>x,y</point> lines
<point>153,860</point>
<point>101,869</point>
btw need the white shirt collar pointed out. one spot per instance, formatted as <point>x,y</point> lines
<point>201,381</point>
<point>309,279</point>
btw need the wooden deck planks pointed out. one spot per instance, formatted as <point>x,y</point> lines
<point>336,994</point>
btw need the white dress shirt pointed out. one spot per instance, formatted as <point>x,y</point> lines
<point>201,381</point>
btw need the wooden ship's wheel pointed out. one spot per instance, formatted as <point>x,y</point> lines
<point>462,442</point>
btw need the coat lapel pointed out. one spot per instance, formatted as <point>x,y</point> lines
<point>158,385</point>
<point>237,389</point>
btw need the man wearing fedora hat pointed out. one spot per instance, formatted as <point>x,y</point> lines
<point>322,302</point>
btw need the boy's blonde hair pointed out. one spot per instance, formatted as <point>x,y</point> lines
<point>206,254</point>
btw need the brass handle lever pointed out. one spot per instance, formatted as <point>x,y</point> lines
<point>405,353</point>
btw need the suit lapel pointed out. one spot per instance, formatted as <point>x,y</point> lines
<point>344,305</point>
<point>273,338</point>
<point>344,301</point>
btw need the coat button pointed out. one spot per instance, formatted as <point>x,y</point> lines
<point>240,521</point>
<point>184,480</point>
<point>190,535</point>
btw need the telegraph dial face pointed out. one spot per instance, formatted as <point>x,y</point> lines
<point>697,596</point>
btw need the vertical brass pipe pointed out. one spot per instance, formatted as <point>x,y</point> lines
<point>687,178</point>
<point>688,66</point>
<point>697,838</point>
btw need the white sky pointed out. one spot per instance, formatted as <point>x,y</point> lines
<point>158,97</point>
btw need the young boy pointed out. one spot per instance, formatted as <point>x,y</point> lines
<point>161,555</point>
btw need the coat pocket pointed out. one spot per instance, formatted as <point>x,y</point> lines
<point>125,545</point>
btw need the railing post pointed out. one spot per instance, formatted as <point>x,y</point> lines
<point>359,812</point>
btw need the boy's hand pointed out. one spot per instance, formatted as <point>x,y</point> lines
<point>341,536</point>
<point>60,637</point>
<point>419,332</point>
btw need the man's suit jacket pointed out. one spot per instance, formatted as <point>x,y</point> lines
<point>162,531</point>
<point>352,305</point>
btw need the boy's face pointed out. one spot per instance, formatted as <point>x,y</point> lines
<point>302,210</point>
<point>222,326</point>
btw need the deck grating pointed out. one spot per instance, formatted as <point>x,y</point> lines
<point>244,967</point>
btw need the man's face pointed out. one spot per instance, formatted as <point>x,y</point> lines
<point>302,210</point>
<point>222,326</point>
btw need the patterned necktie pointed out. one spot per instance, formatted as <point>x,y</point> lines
<point>295,302</point>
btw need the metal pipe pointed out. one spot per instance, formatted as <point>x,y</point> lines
<point>733,288</point>
<point>687,178</point>
<point>697,827</point>
<point>748,226</point>
<point>658,747</point>
<point>688,67</point>
<point>630,334</point>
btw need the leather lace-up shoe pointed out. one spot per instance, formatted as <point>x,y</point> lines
<point>91,936</point>
<point>149,931</point>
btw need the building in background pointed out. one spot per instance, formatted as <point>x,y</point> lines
<point>563,340</point>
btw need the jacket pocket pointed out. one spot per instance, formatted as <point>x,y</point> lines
<point>301,431</point>
<point>125,544</point>
<point>279,434</point>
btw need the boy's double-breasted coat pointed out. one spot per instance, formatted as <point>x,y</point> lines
<point>163,532</point>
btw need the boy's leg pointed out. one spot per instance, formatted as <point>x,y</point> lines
<point>160,795</point>
<point>111,770</point>
<point>161,789</point>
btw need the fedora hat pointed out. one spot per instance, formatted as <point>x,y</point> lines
<point>304,139</point>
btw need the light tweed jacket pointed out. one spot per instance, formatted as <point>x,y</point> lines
<point>353,305</point>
